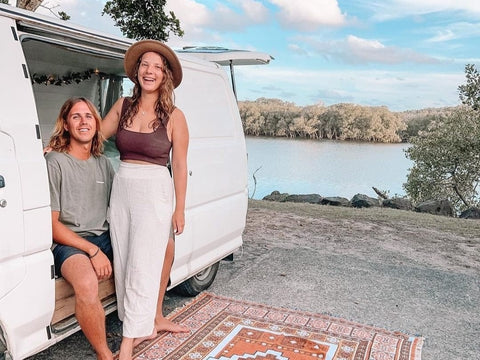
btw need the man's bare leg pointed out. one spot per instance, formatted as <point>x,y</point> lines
<point>78,271</point>
<point>126,349</point>
<point>162,323</point>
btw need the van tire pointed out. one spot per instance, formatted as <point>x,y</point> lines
<point>199,282</point>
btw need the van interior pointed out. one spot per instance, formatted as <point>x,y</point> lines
<point>59,70</point>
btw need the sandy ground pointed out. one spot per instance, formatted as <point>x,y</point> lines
<point>414,273</point>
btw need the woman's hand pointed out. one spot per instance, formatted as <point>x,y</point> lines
<point>178,222</point>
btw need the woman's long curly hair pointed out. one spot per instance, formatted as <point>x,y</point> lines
<point>164,105</point>
<point>60,139</point>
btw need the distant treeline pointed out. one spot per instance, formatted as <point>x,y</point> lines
<point>273,117</point>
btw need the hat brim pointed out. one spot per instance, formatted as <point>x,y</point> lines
<point>136,50</point>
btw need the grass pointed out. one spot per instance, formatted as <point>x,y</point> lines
<point>468,228</point>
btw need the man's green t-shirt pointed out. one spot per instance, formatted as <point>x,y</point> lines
<point>80,191</point>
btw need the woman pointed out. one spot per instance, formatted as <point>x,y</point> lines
<point>147,127</point>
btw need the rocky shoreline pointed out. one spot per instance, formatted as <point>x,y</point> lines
<point>436,207</point>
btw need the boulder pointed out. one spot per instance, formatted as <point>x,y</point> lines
<point>276,196</point>
<point>335,201</point>
<point>435,207</point>
<point>472,213</point>
<point>361,201</point>
<point>398,203</point>
<point>304,198</point>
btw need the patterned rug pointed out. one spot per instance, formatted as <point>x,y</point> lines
<point>227,329</point>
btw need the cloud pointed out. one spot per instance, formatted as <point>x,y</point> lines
<point>398,90</point>
<point>227,15</point>
<point>254,10</point>
<point>296,49</point>
<point>206,25</point>
<point>355,50</point>
<point>309,15</point>
<point>328,96</point>
<point>455,31</point>
<point>390,9</point>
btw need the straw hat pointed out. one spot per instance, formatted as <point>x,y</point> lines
<point>136,50</point>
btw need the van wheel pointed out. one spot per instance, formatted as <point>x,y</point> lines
<point>199,282</point>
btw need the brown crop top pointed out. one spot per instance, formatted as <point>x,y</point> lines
<point>153,147</point>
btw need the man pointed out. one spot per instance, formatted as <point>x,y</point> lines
<point>80,183</point>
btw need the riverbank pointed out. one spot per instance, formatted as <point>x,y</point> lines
<point>449,243</point>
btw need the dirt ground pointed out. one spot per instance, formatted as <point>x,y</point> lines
<point>403,271</point>
<point>449,244</point>
<point>399,270</point>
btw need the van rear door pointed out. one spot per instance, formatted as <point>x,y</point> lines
<point>25,240</point>
<point>11,219</point>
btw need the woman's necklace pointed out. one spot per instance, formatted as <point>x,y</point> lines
<point>142,112</point>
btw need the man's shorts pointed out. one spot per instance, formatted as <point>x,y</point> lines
<point>63,252</point>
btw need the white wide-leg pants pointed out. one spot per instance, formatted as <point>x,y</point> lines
<point>141,206</point>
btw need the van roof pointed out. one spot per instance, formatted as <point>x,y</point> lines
<point>46,26</point>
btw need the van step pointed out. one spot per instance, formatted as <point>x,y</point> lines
<point>109,305</point>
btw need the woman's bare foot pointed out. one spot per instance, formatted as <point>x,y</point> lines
<point>164,324</point>
<point>138,341</point>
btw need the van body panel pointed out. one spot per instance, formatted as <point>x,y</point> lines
<point>25,324</point>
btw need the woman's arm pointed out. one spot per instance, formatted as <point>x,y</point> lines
<point>180,139</point>
<point>111,120</point>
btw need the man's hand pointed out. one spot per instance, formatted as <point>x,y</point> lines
<point>101,264</point>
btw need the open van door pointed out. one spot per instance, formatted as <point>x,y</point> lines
<point>227,57</point>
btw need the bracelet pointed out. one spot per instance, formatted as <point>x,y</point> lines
<point>96,252</point>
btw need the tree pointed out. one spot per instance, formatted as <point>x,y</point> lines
<point>446,155</point>
<point>447,160</point>
<point>31,5</point>
<point>469,93</point>
<point>143,19</point>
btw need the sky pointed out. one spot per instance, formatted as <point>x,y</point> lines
<point>403,54</point>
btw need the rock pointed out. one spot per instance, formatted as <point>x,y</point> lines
<point>276,196</point>
<point>472,213</point>
<point>335,201</point>
<point>398,203</point>
<point>435,207</point>
<point>304,198</point>
<point>361,201</point>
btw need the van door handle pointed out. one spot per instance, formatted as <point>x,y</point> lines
<point>2,181</point>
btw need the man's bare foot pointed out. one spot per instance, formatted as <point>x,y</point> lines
<point>107,355</point>
<point>138,341</point>
<point>126,349</point>
<point>165,324</point>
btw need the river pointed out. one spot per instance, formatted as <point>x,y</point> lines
<point>325,167</point>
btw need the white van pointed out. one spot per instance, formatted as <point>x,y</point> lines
<point>44,62</point>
